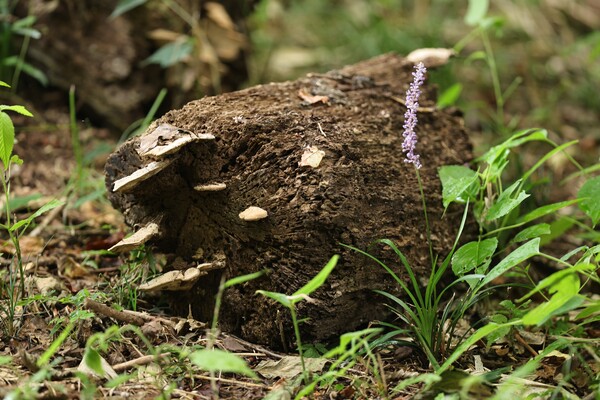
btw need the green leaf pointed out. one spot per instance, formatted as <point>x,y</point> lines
<point>93,360</point>
<point>244,278</point>
<point>319,279</point>
<point>281,298</point>
<point>27,68</point>
<point>125,5</point>
<point>2,83</point>
<point>19,109</point>
<point>7,138</point>
<point>458,184</point>
<point>506,202</point>
<point>497,152</point>
<point>519,255</point>
<point>474,256</point>
<point>476,11</point>
<point>5,360</point>
<point>589,195</point>
<point>171,53</point>
<point>532,232</point>
<point>43,209</point>
<point>564,291</point>
<point>449,96</point>
<point>545,210</point>
<point>216,360</point>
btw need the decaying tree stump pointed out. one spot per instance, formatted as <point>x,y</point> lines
<point>320,159</point>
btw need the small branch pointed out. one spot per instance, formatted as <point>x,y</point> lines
<point>112,313</point>
<point>138,361</point>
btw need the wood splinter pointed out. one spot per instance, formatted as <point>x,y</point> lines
<point>211,187</point>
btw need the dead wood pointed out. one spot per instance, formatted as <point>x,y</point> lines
<point>320,160</point>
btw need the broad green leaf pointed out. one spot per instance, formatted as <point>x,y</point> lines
<point>171,53</point>
<point>458,184</point>
<point>545,210</point>
<point>563,291</point>
<point>519,255</point>
<point>476,11</point>
<point>19,109</point>
<point>532,232</point>
<point>93,361</point>
<point>7,138</point>
<point>244,278</point>
<point>281,298</point>
<point>319,279</point>
<point>216,360</point>
<point>474,256</point>
<point>449,96</point>
<point>589,194</point>
<point>506,202</point>
<point>43,209</point>
<point>125,5</point>
<point>515,140</point>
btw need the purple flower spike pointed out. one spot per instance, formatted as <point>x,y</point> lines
<point>410,116</point>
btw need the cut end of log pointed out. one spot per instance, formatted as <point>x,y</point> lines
<point>211,187</point>
<point>253,214</point>
<point>137,239</point>
<point>131,181</point>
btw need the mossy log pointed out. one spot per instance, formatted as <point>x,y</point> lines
<point>276,177</point>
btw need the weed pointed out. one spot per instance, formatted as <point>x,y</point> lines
<point>14,228</point>
<point>301,294</point>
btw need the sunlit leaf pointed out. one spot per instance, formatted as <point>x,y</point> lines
<point>244,278</point>
<point>589,195</point>
<point>476,11</point>
<point>319,279</point>
<point>43,209</point>
<point>7,138</point>
<point>563,291</point>
<point>18,109</point>
<point>216,360</point>
<point>92,360</point>
<point>281,298</point>
<point>449,96</point>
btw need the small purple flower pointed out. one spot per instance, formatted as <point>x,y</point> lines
<point>410,116</point>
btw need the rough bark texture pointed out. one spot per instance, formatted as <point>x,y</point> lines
<point>362,190</point>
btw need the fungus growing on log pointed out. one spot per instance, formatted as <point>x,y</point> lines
<point>329,172</point>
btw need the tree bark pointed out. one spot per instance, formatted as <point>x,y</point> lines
<point>322,156</point>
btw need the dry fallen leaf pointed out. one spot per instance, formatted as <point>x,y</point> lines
<point>312,99</point>
<point>311,157</point>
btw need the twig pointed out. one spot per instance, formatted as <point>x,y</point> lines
<point>526,345</point>
<point>253,346</point>
<point>138,361</point>
<point>225,380</point>
<point>112,313</point>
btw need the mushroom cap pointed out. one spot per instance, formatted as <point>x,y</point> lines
<point>253,213</point>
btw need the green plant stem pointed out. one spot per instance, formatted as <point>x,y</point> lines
<point>19,65</point>
<point>427,227</point>
<point>299,342</point>
<point>495,78</point>
<point>75,135</point>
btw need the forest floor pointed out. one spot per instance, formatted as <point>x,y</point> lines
<point>70,275</point>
